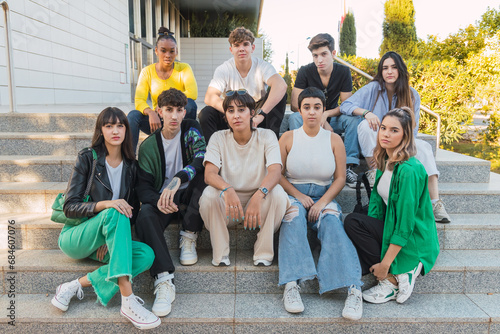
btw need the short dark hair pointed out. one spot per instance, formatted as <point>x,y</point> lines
<point>172,97</point>
<point>321,40</point>
<point>241,34</point>
<point>112,115</point>
<point>165,33</point>
<point>244,99</point>
<point>312,92</point>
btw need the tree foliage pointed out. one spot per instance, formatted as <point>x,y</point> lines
<point>398,28</point>
<point>490,21</point>
<point>347,40</point>
<point>219,25</point>
<point>289,80</point>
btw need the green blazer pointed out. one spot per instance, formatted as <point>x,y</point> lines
<point>408,217</point>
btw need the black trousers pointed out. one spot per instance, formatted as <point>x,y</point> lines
<point>212,120</point>
<point>151,223</point>
<point>366,234</point>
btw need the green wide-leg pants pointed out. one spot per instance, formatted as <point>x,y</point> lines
<point>124,257</point>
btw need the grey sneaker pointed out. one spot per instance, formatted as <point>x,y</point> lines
<point>353,308</point>
<point>65,292</point>
<point>371,175</point>
<point>187,245</point>
<point>351,178</point>
<point>440,214</point>
<point>381,293</point>
<point>291,297</point>
<point>406,283</point>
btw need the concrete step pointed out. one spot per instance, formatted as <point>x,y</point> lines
<point>454,167</point>
<point>467,231</point>
<point>44,143</point>
<point>37,197</point>
<point>257,313</point>
<point>48,122</point>
<point>456,271</point>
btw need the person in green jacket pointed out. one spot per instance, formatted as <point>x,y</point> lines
<point>398,239</point>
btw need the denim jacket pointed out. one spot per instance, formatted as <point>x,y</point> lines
<point>366,98</point>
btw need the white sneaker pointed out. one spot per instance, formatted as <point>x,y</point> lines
<point>187,245</point>
<point>223,262</point>
<point>165,295</point>
<point>371,175</point>
<point>353,308</point>
<point>440,214</point>
<point>381,293</point>
<point>263,262</point>
<point>291,297</point>
<point>65,292</point>
<point>133,310</point>
<point>406,283</point>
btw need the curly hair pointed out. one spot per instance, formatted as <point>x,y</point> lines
<point>241,34</point>
<point>172,97</point>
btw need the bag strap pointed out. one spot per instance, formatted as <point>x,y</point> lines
<point>362,178</point>
<point>89,183</point>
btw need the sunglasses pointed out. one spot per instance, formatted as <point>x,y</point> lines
<point>241,91</point>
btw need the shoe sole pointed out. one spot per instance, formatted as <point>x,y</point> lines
<point>375,301</point>
<point>162,314</point>
<point>141,326</point>
<point>443,221</point>
<point>295,311</point>
<point>350,317</point>
<point>189,262</point>
<point>58,304</point>
<point>353,185</point>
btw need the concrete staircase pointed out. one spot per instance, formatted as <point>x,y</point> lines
<point>37,153</point>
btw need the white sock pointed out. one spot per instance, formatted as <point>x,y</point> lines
<point>434,201</point>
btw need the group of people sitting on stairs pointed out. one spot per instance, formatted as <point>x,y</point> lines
<point>246,177</point>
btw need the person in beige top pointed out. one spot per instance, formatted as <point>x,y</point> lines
<point>242,171</point>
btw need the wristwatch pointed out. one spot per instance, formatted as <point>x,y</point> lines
<point>264,191</point>
<point>261,112</point>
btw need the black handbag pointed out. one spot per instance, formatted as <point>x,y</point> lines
<point>359,207</point>
<point>58,215</point>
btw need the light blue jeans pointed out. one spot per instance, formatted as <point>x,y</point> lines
<point>338,264</point>
<point>348,125</point>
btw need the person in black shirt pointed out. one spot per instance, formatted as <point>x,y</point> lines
<point>334,80</point>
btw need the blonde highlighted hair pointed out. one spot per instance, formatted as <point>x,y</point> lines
<point>406,148</point>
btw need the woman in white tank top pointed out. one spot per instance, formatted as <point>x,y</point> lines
<point>314,173</point>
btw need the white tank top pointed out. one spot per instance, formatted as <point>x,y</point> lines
<point>311,159</point>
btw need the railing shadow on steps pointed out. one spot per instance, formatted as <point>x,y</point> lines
<point>424,108</point>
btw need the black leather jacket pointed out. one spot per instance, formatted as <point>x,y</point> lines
<point>101,189</point>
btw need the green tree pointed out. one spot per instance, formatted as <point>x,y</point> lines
<point>347,40</point>
<point>267,47</point>
<point>398,28</point>
<point>490,21</point>
<point>288,80</point>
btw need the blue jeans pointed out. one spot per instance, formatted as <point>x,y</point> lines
<point>340,124</point>
<point>140,122</point>
<point>338,264</point>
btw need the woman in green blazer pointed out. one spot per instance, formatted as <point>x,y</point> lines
<point>398,239</point>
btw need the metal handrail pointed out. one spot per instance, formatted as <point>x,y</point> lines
<point>424,108</point>
<point>10,64</point>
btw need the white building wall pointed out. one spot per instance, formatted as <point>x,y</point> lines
<point>205,55</point>
<point>67,51</point>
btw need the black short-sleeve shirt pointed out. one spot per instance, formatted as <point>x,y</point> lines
<point>340,81</point>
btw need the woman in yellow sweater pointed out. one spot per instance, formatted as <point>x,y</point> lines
<point>157,77</point>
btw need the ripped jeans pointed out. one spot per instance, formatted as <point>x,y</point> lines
<point>338,264</point>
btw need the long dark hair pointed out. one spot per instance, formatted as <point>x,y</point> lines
<point>112,115</point>
<point>240,99</point>
<point>402,84</point>
<point>407,148</point>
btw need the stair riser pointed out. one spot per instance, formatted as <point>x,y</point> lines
<point>245,281</point>
<point>52,146</point>
<point>47,123</point>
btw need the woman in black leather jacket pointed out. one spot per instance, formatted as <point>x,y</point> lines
<point>106,235</point>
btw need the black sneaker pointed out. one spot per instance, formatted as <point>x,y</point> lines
<point>351,177</point>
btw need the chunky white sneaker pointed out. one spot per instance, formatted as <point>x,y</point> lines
<point>223,262</point>
<point>133,310</point>
<point>353,308</point>
<point>381,293</point>
<point>262,262</point>
<point>291,298</point>
<point>187,245</point>
<point>440,214</point>
<point>65,292</point>
<point>165,295</point>
<point>406,283</point>
<point>371,175</point>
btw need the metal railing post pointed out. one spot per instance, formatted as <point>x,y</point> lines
<point>425,109</point>
<point>10,64</point>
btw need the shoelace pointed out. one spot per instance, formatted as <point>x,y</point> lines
<point>353,301</point>
<point>138,309</point>
<point>162,289</point>
<point>185,241</point>
<point>69,292</point>
<point>292,295</point>
<point>380,288</point>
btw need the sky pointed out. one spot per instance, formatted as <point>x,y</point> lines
<point>289,26</point>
